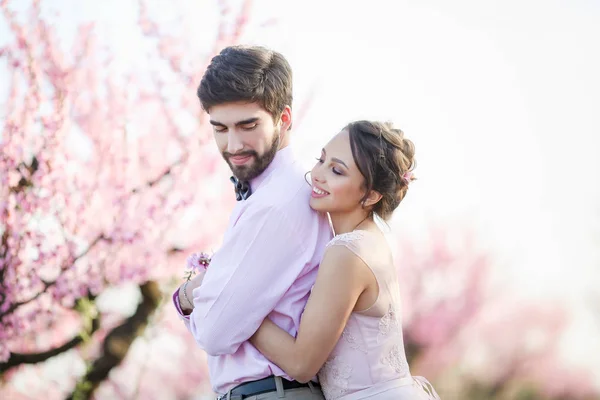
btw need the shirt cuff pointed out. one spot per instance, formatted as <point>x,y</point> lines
<point>178,306</point>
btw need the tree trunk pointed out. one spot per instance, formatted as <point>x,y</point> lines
<point>117,342</point>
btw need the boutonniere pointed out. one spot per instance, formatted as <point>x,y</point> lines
<point>195,263</point>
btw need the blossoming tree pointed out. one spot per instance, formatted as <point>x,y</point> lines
<point>101,184</point>
<point>109,179</point>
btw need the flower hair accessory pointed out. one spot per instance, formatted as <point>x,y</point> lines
<point>408,177</point>
<point>195,263</point>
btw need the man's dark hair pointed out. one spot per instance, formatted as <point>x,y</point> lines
<point>248,73</point>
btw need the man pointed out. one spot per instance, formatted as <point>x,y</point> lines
<point>274,242</point>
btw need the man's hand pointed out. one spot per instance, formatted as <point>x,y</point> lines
<point>186,298</point>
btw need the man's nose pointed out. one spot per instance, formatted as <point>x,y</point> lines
<point>234,143</point>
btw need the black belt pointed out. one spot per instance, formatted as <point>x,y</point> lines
<point>263,386</point>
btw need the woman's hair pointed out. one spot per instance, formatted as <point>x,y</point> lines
<point>385,159</point>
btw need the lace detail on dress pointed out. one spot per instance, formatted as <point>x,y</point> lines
<point>347,238</point>
<point>389,324</point>
<point>395,358</point>
<point>334,377</point>
<point>390,330</point>
<point>353,341</point>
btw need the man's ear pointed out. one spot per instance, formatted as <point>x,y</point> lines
<point>286,119</point>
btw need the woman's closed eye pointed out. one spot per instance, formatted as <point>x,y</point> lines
<point>333,169</point>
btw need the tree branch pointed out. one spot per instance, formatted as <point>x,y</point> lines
<point>159,178</point>
<point>15,306</point>
<point>118,341</point>
<point>97,239</point>
<point>17,359</point>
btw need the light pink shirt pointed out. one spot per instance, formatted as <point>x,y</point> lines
<point>266,267</point>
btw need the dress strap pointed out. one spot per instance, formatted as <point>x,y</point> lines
<point>427,387</point>
<point>349,240</point>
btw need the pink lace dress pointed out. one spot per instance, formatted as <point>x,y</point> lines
<point>369,361</point>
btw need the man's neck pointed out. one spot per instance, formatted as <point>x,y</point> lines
<point>282,157</point>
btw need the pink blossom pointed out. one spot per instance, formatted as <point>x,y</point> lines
<point>408,177</point>
<point>13,178</point>
<point>197,262</point>
<point>4,353</point>
<point>106,211</point>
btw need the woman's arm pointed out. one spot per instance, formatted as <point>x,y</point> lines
<point>341,279</point>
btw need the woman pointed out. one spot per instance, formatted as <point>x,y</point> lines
<point>351,333</point>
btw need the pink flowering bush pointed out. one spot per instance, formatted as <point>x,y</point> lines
<point>473,336</point>
<point>101,171</point>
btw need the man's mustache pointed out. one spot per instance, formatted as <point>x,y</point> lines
<point>227,155</point>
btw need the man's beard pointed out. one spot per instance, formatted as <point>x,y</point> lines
<point>249,172</point>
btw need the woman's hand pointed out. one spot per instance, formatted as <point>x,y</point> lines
<point>341,279</point>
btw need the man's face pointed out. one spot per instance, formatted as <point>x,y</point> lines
<point>247,137</point>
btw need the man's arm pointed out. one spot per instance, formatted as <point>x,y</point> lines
<point>259,261</point>
<point>341,279</point>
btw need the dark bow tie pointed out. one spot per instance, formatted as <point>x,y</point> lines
<point>242,188</point>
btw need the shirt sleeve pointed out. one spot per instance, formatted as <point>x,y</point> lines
<point>177,305</point>
<point>261,258</point>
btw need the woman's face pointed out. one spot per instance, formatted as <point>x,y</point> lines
<point>336,181</point>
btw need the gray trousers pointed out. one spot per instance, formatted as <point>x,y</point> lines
<point>304,393</point>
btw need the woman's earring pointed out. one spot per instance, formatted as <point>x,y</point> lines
<point>307,181</point>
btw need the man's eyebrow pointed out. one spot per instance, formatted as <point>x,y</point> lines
<point>216,123</point>
<point>239,123</point>
<point>247,121</point>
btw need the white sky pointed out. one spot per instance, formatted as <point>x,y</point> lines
<point>501,99</point>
